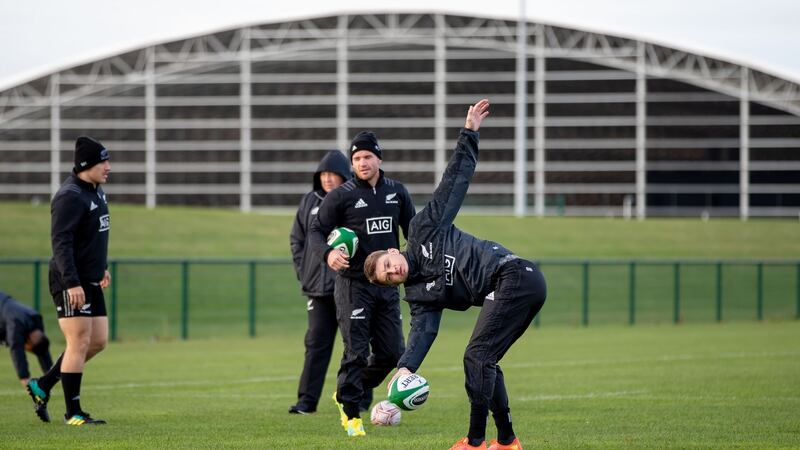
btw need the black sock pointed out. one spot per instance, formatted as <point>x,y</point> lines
<point>505,432</point>
<point>477,424</point>
<point>351,409</point>
<point>48,380</point>
<point>71,382</point>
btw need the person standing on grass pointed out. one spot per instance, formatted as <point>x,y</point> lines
<point>445,268</point>
<point>375,207</point>
<point>316,281</point>
<point>22,329</point>
<point>78,274</point>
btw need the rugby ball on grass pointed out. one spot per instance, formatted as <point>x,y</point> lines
<point>385,414</point>
<point>345,240</point>
<point>409,392</point>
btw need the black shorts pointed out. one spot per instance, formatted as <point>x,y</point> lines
<point>95,305</point>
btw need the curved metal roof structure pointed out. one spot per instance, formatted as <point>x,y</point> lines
<point>583,123</point>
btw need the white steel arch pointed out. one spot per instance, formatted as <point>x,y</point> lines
<point>347,39</point>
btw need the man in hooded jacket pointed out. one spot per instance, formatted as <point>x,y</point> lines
<point>317,282</point>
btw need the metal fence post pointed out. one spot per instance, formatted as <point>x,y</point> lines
<point>37,301</point>
<point>760,291</point>
<point>185,300</point>
<point>676,291</point>
<point>585,318</point>
<point>251,299</point>
<point>719,291</point>
<point>113,318</point>
<point>632,293</point>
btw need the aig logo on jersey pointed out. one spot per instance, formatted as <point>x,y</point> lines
<point>104,223</point>
<point>449,265</point>
<point>378,225</point>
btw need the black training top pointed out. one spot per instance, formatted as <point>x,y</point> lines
<point>447,268</point>
<point>375,214</point>
<point>79,234</point>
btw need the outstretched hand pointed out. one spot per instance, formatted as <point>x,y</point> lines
<point>401,372</point>
<point>476,114</point>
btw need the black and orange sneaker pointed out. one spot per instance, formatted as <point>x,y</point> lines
<point>514,445</point>
<point>463,444</point>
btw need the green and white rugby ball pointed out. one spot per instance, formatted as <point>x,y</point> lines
<point>409,392</point>
<point>345,240</point>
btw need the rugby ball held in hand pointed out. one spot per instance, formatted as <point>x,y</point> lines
<point>385,414</point>
<point>409,392</point>
<point>345,240</point>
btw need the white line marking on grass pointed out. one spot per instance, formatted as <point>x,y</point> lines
<point>610,361</point>
<point>170,384</point>
<point>589,395</point>
<point>520,365</point>
<point>217,395</point>
<point>194,383</point>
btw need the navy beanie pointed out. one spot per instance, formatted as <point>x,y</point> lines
<point>365,140</point>
<point>88,153</point>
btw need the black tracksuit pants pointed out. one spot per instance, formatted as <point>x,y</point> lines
<point>519,294</point>
<point>369,318</point>
<point>319,343</point>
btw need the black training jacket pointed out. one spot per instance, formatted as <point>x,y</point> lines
<point>16,322</point>
<point>316,278</point>
<point>79,234</point>
<point>448,268</point>
<point>374,213</point>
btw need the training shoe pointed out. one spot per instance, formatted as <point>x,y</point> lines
<point>463,444</point>
<point>297,409</point>
<point>514,445</point>
<point>40,399</point>
<point>355,428</point>
<point>82,419</point>
<point>342,415</point>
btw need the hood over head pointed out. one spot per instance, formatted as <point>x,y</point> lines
<point>333,161</point>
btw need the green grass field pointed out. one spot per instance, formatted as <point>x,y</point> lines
<point>198,232</point>
<point>698,384</point>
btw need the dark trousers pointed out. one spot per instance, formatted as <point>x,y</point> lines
<point>319,342</point>
<point>520,291</point>
<point>372,333</point>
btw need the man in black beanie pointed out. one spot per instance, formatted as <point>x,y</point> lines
<point>376,208</point>
<point>78,274</point>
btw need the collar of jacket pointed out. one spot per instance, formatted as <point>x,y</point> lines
<point>365,183</point>
<point>413,271</point>
<point>84,184</point>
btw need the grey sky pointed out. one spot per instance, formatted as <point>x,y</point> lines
<point>38,36</point>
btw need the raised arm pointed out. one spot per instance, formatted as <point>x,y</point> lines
<point>449,195</point>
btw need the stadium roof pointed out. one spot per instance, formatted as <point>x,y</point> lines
<point>760,35</point>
